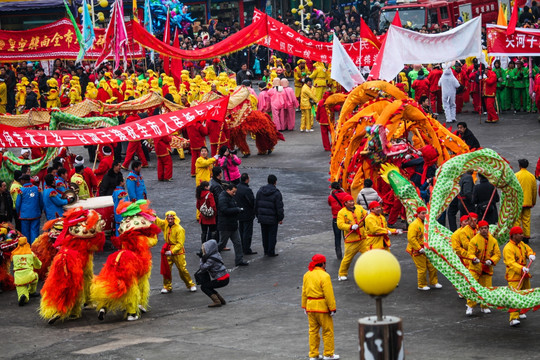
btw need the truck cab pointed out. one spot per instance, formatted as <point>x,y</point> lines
<point>416,13</point>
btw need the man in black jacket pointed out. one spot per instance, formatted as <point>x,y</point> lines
<point>269,212</point>
<point>467,136</point>
<point>227,225</point>
<point>31,99</point>
<point>246,200</point>
<point>109,181</point>
<point>482,193</point>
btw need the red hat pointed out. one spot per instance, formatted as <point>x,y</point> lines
<point>420,209</point>
<point>373,205</point>
<point>316,259</point>
<point>473,215</point>
<point>516,230</point>
<point>346,197</point>
<point>483,223</point>
<point>464,218</point>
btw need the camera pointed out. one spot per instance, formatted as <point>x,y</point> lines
<point>233,152</point>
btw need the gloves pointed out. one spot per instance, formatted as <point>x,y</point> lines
<point>216,156</point>
<point>168,253</point>
<point>525,269</point>
<point>241,209</point>
<point>484,77</point>
<point>422,251</point>
<point>399,231</point>
<point>532,257</point>
<point>354,227</point>
<point>389,232</point>
<point>305,312</point>
<point>476,261</point>
<point>489,262</point>
<point>332,313</point>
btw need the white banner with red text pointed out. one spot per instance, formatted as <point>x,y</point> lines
<point>150,127</point>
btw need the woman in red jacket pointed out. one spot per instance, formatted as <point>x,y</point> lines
<point>208,223</point>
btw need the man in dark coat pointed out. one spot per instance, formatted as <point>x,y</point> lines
<point>227,223</point>
<point>467,136</point>
<point>110,179</point>
<point>246,200</point>
<point>481,196</point>
<point>269,212</point>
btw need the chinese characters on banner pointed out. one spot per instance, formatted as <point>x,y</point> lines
<point>150,127</point>
<point>523,42</point>
<point>55,40</point>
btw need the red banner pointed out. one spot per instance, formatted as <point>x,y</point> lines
<point>239,40</point>
<point>150,127</point>
<point>55,40</point>
<point>282,38</point>
<point>523,42</point>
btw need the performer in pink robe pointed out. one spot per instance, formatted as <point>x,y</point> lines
<point>291,104</point>
<point>277,103</point>
<point>264,98</point>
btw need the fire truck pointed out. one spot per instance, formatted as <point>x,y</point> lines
<point>416,13</point>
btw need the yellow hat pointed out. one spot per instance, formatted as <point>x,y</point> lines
<point>301,61</point>
<point>108,74</point>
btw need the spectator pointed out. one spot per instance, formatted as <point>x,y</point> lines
<point>212,263</point>
<point>482,197</point>
<point>229,163</point>
<point>367,195</point>
<point>6,204</point>
<point>31,99</point>
<point>208,223</point>
<point>228,211</point>
<point>464,133</point>
<point>336,203</point>
<point>246,200</point>
<point>243,74</point>
<point>270,213</point>
<point>110,180</point>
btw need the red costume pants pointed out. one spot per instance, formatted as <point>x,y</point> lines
<point>164,167</point>
<point>459,103</point>
<point>195,153</point>
<point>477,102</point>
<point>436,101</point>
<point>325,134</point>
<point>490,108</point>
<point>134,147</point>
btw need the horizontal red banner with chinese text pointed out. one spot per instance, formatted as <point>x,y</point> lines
<point>55,40</point>
<point>523,42</point>
<point>150,127</point>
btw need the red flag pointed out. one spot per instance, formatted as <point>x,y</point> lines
<point>176,64</point>
<point>514,18</point>
<point>397,20</point>
<point>167,40</point>
<point>367,34</point>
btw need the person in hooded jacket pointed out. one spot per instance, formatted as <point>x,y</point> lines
<point>449,85</point>
<point>212,262</point>
<point>270,213</point>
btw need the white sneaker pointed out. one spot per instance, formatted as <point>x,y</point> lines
<point>316,358</point>
<point>485,310</point>
<point>437,286</point>
<point>469,311</point>
<point>311,130</point>
<point>132,318</point>
<point>515,322</point>
<point>193,288</point>
<point>342,278</point>
<point>425,288</point>
<point>522,316</point>
<point>165,291</point>
<point>301,130</point>
<point>333,357</point>
<point>142,308</point>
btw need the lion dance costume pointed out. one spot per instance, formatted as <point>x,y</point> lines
<point>67,286</point>
<point>43,247</point>
<point>123,283</point>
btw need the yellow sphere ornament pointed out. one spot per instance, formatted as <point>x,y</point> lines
<point>101,16</point>
<point>309,3</point>
<point>103,3</point>
<point>301,7</point>
<point>308,16</point>
<point>377,272</point>
<point>297,23</point>
<point>89,6</point>
<point>294,11</point>
<point>80,10</point>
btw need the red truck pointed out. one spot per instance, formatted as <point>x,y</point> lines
<point>417,13</point>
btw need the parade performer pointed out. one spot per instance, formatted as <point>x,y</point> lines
<point>528,185</point>
<point>164,163</point>
<point>24,264</point>
<point>28,208</point>
<point>322,118</point>
<point>520,81</point>
<point>277,104</point>
<point>489,91</point>
<point>218,133</point>
<point>449,85</point>
<point>350,220</point>
<point>134,146</point>
<point>484,253</point>
<point>435,89</point>
<point>515,254</point>
<point>87,174</point>
<point>64,292</point>
<point>415,248</point>
<point>319,76</point>
<point>52,200</point>
<point>461,249</point>
<point>319,305</point>
<point>105,163</point>
<point>135,183</point>
<point>300,72</point>
<point>173,252</point>
<point>290,105</point>
<point>123,283</point>
<point>118,195</point>
<point>78,179</point>
<point>196,133</point>
<point>461,76</point>
<point>53,98</point>
<point>377,231</point>
<point>307,100</point>
<point>43,246</point>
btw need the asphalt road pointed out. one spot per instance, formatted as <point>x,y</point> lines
<point>263,318</point>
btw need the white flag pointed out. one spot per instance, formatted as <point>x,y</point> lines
<point>343,69</point>
<point>409,47</point>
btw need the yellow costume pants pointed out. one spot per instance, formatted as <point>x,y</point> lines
<point>423,265</point>
<point>306,122</point>
<point>181,153</point>
<point>180,262</point>
<point>524,220</point>
<point>3,109</point>
<point>316,322</point>
<point>526,284</point>
<point>27,289</point>
<point>351,249</point>
<point>485,281</point>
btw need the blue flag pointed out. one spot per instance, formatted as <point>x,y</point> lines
<point>148,23</point>
<point>88,34</point>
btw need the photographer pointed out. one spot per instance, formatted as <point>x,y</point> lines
<point>229,162</point>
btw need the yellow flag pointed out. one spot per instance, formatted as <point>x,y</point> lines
<point>135,17</point>
<point>501,18</point>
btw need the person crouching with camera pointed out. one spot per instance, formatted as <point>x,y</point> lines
<point>212,273</point>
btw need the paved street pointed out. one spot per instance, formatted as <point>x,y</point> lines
<point>263,318</point>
